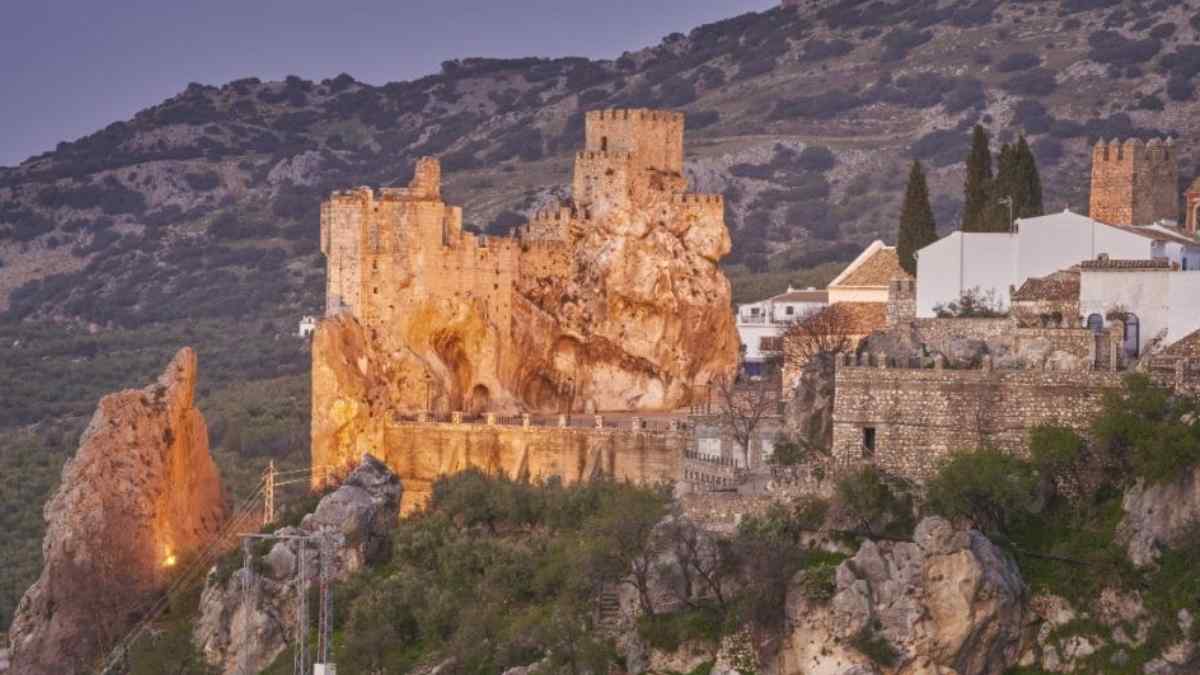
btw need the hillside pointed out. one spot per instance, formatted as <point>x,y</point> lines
<point>195,222</point>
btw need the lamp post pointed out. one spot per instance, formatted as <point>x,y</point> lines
<point>1008,201</point>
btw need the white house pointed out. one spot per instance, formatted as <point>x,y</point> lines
<point>994,262</point>
<point>1158,302</point>
<point>308,324</point>
<point>761,324</point>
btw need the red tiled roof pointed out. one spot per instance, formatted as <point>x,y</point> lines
<point>878,270</point>
<point>1119,264</point>
<point>1062,285</point>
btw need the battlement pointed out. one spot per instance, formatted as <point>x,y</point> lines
<point>699,199</point>
<point>1133,149</point>
<point>636,115</point>
<point>562,214</point>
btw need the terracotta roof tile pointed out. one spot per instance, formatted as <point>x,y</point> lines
<point>1062,285</point>
<point>878,270</point>
<point>803,296</point>
<point>1187,347</point>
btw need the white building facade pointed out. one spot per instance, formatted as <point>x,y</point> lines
<point>995,262</point>
<point>761,324</point>
<point>1157,304</point>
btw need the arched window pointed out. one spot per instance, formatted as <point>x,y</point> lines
<point>604,144</point>
<point>1095,323</point>
<point>1132,335</point>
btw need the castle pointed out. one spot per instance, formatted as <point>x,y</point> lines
<point>612,301</point>
<point>1134,183</point>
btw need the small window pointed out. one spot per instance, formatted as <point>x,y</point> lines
<point>868,448</point>
<point>790,310</point>
<point>604,144</point>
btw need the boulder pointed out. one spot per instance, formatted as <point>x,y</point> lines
<point>140,495</point>
<point>247,619</point>
<point>950,601</point>
<point>1158,516</point>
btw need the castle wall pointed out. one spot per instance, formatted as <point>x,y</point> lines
<point>421,452</point>
<point>921,416</point>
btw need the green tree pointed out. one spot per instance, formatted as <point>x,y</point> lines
<point>978,183</point>
<point>1017,178</point>
<point>867,498</point>
<point>917,228</point>
<point>1030,182</point>
<point>989,487</point>
<point>1145,431</point>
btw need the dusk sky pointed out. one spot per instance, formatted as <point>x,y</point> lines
<point>71,67</point>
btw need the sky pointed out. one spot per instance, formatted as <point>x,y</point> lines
<point>71,67</point>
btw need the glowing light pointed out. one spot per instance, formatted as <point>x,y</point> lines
<point>169,561</point>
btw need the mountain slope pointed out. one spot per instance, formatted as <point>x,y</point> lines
<point>803,117</point>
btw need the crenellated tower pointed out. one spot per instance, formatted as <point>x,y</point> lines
<point>1134,183</point>
<point>627,154</point>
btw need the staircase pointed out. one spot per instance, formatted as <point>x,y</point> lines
<point>608,611</point>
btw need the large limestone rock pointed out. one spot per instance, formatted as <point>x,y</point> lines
<point>246,621</point>
<point>141,493</point>
<point>1159,516</point>
<point>949,602</point>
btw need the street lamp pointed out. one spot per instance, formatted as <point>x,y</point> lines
<point>1008,201</point>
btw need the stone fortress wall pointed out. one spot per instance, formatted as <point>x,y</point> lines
<point>906,420</point>
<point>1134,183</point>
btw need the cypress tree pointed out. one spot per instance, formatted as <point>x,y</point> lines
<point>916,229</point>
<point>1004,185</point>
<point>979,178</point>
<point>1030,181</point>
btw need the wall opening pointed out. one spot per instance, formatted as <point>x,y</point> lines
<point>1132,335</point>
<point>868,442</point>
<point>1095,323</point>
<point>481,399</point>
<point>604,144</point>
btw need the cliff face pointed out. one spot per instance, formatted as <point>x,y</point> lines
<point>239,635</point>
<point>140,495</point>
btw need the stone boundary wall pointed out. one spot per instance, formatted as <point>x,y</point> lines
<point>937,333</point>
<point>920,416</point>
<point>420,452</point>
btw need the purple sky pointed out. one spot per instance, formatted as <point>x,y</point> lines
<point>70,67</point>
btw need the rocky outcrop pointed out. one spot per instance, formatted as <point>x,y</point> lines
<point>140,494</point>
<point>1159,516</point>
<point>248,618</point>
<point>950,601</point>
<point>810,408</point>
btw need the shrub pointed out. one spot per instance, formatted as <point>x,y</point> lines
<point>1180,89</point>
<point>816,158</point>
<point>990,487</point>
<point>1108,46</point>
<point>1018,61</point>
<point>1032,116</point>
<point>942,147</point>
<point>972,303</point>
<point>1143,427</point>
<point>1163,31</point>
<point>875,646</point>
<point>1035,82</point>
<point>819,50</point>
<point>668,632</point>
<point>899,41</point>
<point>875,506</point>
<point>823,106</point>
<point>967,93</point>
<point>1055,450</point>
<point>203,181</point>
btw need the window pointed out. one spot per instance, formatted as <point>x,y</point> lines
<point>604,144</point>
<point>1095,323</point>
<point>770,344</point>
<point>753,311</point>
<point>790,310</point>
<point>709,447</point>
<point>868,448</point>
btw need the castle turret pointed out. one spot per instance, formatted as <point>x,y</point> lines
<point>626,152</point>
<point>1134,183</point>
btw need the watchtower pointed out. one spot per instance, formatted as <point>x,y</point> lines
<point>628,152</point>
<point>1134,183</point>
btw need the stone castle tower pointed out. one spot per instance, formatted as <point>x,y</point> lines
<point>1134,183</point>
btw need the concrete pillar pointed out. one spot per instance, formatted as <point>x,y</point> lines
<point>1114,351</point>
<point>562,420</point>
<point>456,417</point>
<point>490,419</point>
<point>525,420</point>
<point>422,417</point>
<point>599,421</point>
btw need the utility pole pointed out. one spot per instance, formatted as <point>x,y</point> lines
<point>269,495</point>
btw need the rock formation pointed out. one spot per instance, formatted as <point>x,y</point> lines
<point>235,634</point>
<point>1159,516</point>
<point>140,495</point>
<point>614,301</point>
<point>950,601</point>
